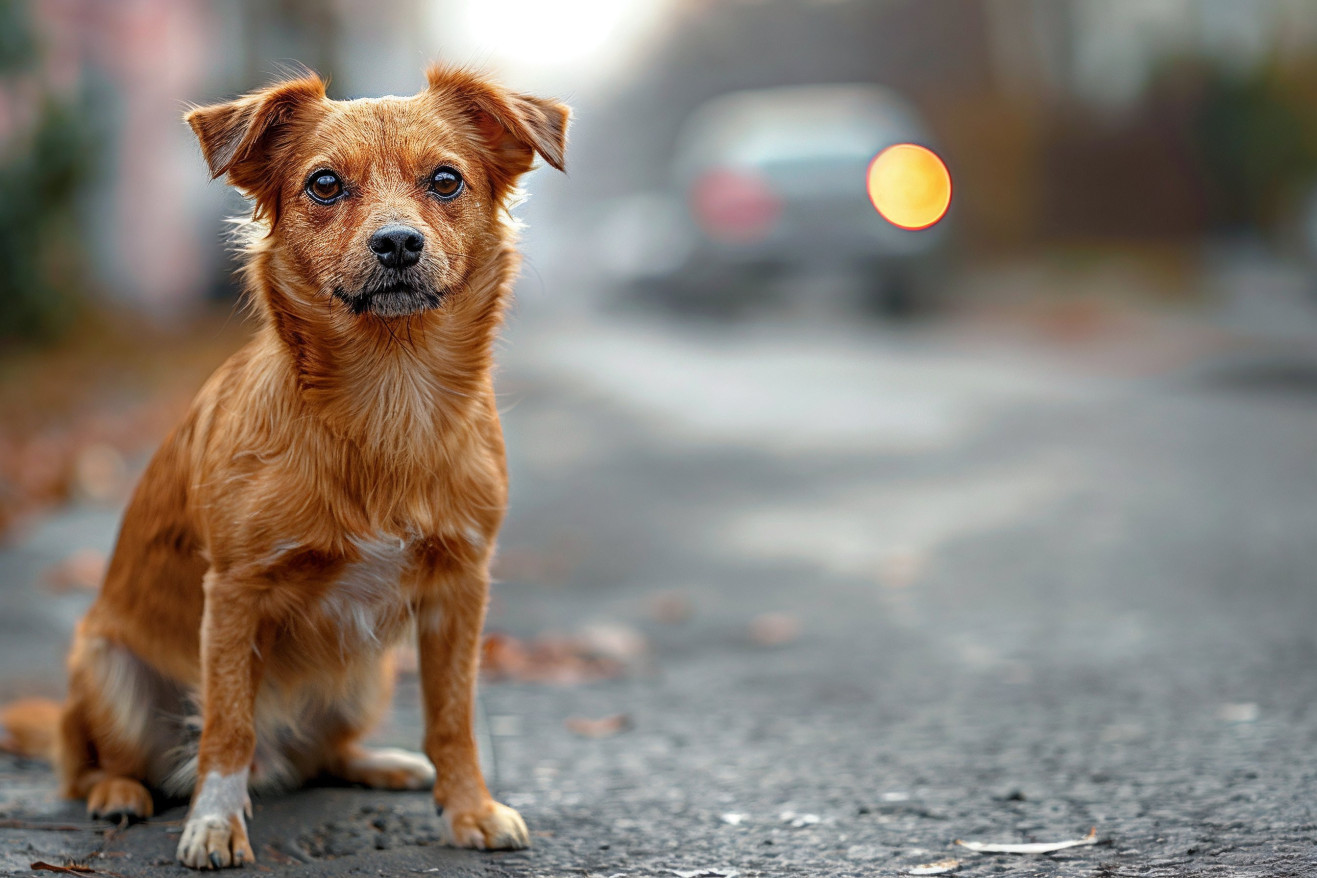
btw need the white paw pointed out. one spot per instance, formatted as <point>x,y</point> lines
<point>389,768</point>
<point>215,835</point>
<point>491,827</point>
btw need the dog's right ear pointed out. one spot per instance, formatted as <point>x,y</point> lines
<point>241,139</point>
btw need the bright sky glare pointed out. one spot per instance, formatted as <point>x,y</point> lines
<point>563,44</point>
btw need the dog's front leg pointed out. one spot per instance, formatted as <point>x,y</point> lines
<point>215,834</point>
<point>448,636</point>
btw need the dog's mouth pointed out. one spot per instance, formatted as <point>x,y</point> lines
<point>395,298</point>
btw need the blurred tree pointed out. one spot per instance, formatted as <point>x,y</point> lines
<point>1255,132</point>
<point>42,166</point>
<point>18,49</point>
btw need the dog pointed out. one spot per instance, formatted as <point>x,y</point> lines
<point>336,484</point>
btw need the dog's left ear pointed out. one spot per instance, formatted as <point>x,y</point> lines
<point>515,127</point>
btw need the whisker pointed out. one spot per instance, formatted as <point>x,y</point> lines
<point>389,329</point>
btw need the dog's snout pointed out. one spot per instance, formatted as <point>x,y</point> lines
<point>397,246</point>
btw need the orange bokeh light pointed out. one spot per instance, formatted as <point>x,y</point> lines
<point>910,186</point>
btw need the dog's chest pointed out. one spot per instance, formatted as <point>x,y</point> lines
<point>366,602</point>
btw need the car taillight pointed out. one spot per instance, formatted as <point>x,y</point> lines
<point>734,206</point>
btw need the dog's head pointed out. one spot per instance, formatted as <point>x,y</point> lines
<point>382,206</point>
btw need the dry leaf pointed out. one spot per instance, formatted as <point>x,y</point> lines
<point>275,855</point>
<point>941,867</point>
<point>84,570</point>
<point>774,629</point>
<point>554,563</point>
<point>1241,712</point>
<point>671,607</point>
<point>100,472</point>
<point>1030,848</point>
<point>901,570</point>
<point>613,640</point>
<point>597,654</point>
<point>604,727</point>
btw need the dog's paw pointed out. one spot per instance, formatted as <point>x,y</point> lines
<point>215,835</point>
<point>491,827</point>
<point>117,798</point>
<point>389,768</point>
<point>213,842</point>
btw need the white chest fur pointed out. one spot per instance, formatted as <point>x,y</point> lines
<point>366,601</point>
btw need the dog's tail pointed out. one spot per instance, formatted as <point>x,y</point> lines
<point>29,727</point>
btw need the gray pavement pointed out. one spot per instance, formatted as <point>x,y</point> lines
<point>1034,592</point>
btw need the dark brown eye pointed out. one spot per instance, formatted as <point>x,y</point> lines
<point>324,186</point>
<point>446,183</point>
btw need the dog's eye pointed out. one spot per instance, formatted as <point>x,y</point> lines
<point>446,183</point>
<point>324,186</point>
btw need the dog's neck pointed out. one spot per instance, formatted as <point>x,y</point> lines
<point>391,386</point>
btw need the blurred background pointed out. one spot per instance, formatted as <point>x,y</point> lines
<point>1158,152</point>
<point>758,434</point>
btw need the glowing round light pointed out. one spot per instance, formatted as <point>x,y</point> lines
<point>910,186</point>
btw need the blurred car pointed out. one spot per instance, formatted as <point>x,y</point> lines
<point>771,184</point>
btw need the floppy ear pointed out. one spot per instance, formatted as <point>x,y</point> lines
<point>515,127</point>
<point>242,138</point>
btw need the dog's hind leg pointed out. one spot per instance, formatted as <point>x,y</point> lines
<point>110,736</point>
<point>108,777</point>
<point>382,768</point>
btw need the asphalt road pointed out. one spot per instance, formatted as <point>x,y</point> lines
<point>1022,589</point>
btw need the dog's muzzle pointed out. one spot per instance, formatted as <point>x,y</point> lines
<point>394,299</point>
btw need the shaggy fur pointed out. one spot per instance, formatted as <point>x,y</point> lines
<point>337,483</point>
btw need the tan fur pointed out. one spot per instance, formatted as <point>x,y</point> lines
<point>29,726</point>
<point>337,481</point>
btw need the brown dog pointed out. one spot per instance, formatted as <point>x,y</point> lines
<point>338,480</point>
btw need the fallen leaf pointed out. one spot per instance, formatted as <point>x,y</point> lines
<point>83,570</point>
<point>1242,712</point>
<point>671,607</point>
<point>900,570</point>
<point>554,563</point>
<point>275,855</point>
<point>100,472</point>
<point>560,659</point>
<point>941,867</point>
<point>1030,848</point>
<point>774,629</point>
<point>604,727</point>
<point>613,640</point>
<point>70,423</point>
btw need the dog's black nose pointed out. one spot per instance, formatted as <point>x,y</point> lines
<point>397,246</point>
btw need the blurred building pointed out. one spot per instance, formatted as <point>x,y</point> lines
<point>151,222</point>
<point>1063,120</point>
